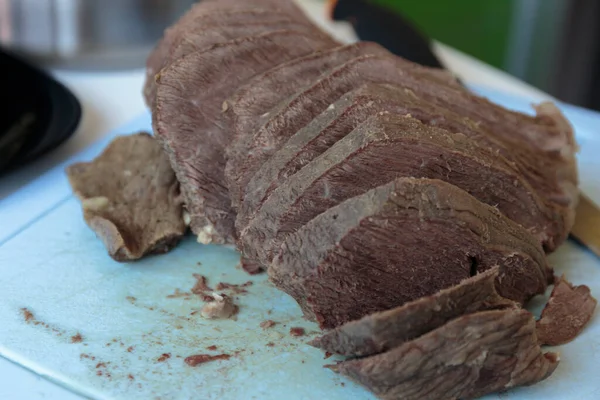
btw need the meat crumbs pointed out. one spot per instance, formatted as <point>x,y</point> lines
<point>267,324</point>
<point>198,359</point>
<point>296,331</point>
<point>164,357</point>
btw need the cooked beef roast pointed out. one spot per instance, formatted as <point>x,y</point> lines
<point>471,356</point>
<point>385,330</point>
<point>355,107</point>
<point>130,197</point>
<point>567,312</point>
<point>386,147</point>
<point>186,119</point>
<point>399,242</point>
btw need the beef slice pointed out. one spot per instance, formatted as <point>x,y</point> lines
<point>567,312</point>
<point>187,115</point>
<point>383,331</point>
<point>247,153</point>
<point>386,147</point>
<point>357,106</point>
<point>156,59</point>
<point>211,28</point>
<point>399,242</point>
<point>130,198</point>
<point>471,356</point>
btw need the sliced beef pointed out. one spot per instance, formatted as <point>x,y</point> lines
<point>386,147</point>
<point>399,242</point>
<point>246,153</point>
<point>211,28</point>
<point>247,107</point>
<point>568,311</point>
<point>357,106</point>
<point>188,105</point>
<point>245,157</point>
<point>469,357</point>
<point>130,197</point>
<point>156,59</point>
<point>385,330</point>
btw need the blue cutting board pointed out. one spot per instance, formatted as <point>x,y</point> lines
<point>52,265</point>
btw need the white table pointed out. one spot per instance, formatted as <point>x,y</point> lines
<point>111,99</point>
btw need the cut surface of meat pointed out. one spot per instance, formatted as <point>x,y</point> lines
<point>247,153</point>
<point>469,357</point>
<point>187,114</point>
<point>130,197</point>
<point>356,107</point>
<point>250,105</point>
<point>381,149</point>
<point>161,52</point>
<point>399,242</point>
<point>385,330</point>
<point>210,28</point>
<point>568,311</point>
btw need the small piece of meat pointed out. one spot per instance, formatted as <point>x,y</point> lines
<point>568,310</point>
<point>251,267</point>
<point>468,357</point>
<point>399,242</point>
<point>385,330</point>
<point>200,286</point>
<point>131,198</point>
<point>198,359</point>
<point>221,308</point>
<point>187,118</point>
<point>267,324</point>
<point>297,331</point>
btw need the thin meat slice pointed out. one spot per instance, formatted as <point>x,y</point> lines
<point>382,331</point>
<point>386,147</point>
<point>247,107</point>
<point>211,28</point>
<point>130,197</point>
<point>399,242</point>
<point>247,153</point>
<point>469,357</point>
<point>187,115</point>
<point>356,107</point>
<point>156,59</point>
<point>568,311</point>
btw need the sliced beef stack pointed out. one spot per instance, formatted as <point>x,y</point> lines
<point>399,209</point>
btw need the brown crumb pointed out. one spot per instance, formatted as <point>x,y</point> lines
<point>28,315</point>
<point>130,377</point>
<point>114,340</point>
<point>327,355</point>
<point>267,324</point>
<point>222,308</point>
<point>296,331</point>
<point>207,298</point>
<point>131,299</point>
<point>270,344</point>
<point>77,338</point>
<point>130,349</point>
<point>198,359</point>
<point>101,365</point>
<point>200,287</point>
<point>164,357</point>
<point>211,348</point>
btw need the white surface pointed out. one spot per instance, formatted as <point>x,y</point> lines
<point>111,99</point>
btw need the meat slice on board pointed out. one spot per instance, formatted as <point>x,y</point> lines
<point>382,331</point>
<point>399,242</point>
<point>130,197</point>
<point>187,118</point>
<point>356,107</point>
<point>469,357</point>
<point>384,148</point>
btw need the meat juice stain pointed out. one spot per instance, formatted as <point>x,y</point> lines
<point>198,359</point>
